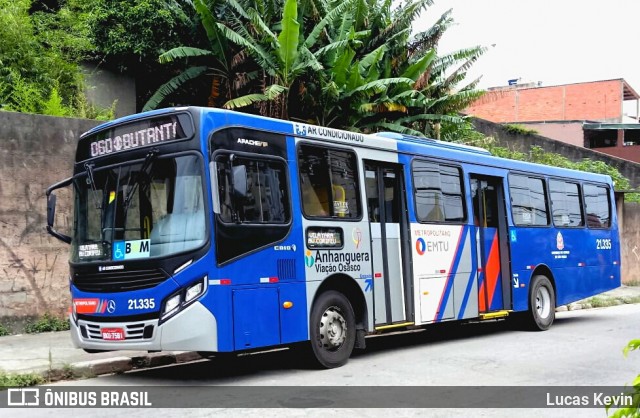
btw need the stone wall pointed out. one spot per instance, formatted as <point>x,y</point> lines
<point>35,152</point>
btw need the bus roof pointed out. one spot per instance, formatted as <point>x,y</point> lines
<point>388,140</point>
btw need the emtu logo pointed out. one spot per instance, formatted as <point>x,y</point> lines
<point>421,246</point>
<point>308,259</point>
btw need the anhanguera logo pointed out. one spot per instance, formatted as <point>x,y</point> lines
<point>308,259</point>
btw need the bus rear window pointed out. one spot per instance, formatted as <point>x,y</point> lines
<point>598,207</point>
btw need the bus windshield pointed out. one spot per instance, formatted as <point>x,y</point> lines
<point>133,211</point>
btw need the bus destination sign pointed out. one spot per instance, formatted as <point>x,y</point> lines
<point>139,134</point>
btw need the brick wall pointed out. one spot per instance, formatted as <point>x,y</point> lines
<point>598,100</point>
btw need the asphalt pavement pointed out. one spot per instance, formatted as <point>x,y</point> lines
<point>53,355</point>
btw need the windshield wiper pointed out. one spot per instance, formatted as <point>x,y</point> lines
<point>89,168</point>
<point>144,170</point>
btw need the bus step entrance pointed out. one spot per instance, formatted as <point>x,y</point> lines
<point>494,315</point>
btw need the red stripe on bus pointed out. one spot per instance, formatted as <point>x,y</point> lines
<point>493,269</point>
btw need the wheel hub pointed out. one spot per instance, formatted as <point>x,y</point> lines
<point>543,302</point>
<point>333,328</point>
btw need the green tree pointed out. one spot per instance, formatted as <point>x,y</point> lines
<point>128,37</point>
<point>348,64</point>
<point>40,48</point>
<point>630,411</point>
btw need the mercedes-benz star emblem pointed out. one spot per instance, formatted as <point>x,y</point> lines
<point>111,306</point>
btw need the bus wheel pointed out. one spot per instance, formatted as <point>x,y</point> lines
<point>332,329</point>
<point>542,304</point>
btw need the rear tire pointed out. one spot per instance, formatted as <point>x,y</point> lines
<point>542,304</point>
<point>332,329</point>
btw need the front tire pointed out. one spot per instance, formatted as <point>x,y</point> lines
<point>332,329</point>
<point>542,304</point>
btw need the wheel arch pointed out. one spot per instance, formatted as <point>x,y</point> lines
<point>544,270</point>
<point>351,290</point>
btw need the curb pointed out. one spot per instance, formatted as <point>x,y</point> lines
<point>120,364</point>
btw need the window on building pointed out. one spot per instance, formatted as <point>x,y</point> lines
<point>601,138</point>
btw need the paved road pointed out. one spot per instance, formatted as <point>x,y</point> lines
<point>582,348</point>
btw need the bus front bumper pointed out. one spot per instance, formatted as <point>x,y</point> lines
<point>193,329</point>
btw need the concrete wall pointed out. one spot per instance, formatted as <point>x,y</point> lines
<point>523,143</point>
<point>568,132</point>
<point>113,87</point>
<point>35,152</point>
<point>630,243</point>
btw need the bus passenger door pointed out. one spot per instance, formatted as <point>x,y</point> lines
<point>387,208</point>
<point>489,215</point>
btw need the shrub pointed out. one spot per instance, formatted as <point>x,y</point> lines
<point>46,323</point>
<point>20,380</point>
<point>519,130</point>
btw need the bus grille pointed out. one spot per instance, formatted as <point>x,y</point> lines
<point>133,331</point>
<point>120,281</point>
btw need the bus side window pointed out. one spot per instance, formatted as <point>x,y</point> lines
<point>339,200</point>
<point>311,200</point>
<point>329,184</point>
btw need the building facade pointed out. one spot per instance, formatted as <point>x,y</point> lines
<point>589,114</point>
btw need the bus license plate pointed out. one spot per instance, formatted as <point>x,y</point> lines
<point>112,334</point>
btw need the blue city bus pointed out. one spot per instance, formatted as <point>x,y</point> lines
<point>220,232</point>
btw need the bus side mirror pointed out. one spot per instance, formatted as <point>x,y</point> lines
<point>51,210</point>
<point>240,180</point>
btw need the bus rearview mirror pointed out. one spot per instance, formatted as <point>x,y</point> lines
<point>51,209</point>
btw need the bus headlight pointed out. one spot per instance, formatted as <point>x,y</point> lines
<point>193,292</point>
<point>183,298</point>
<point>172,304</point>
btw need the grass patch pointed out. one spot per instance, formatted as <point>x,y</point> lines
<point>20,380</point>
<point>4,331</point>
<point>602,302</point>
<point>631,299</point>
<point>47,323</point>
<point>632,283</point>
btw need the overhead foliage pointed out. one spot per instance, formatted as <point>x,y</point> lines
<point>41,47</point>
<point>351,64</point>
<point>128,37</point>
